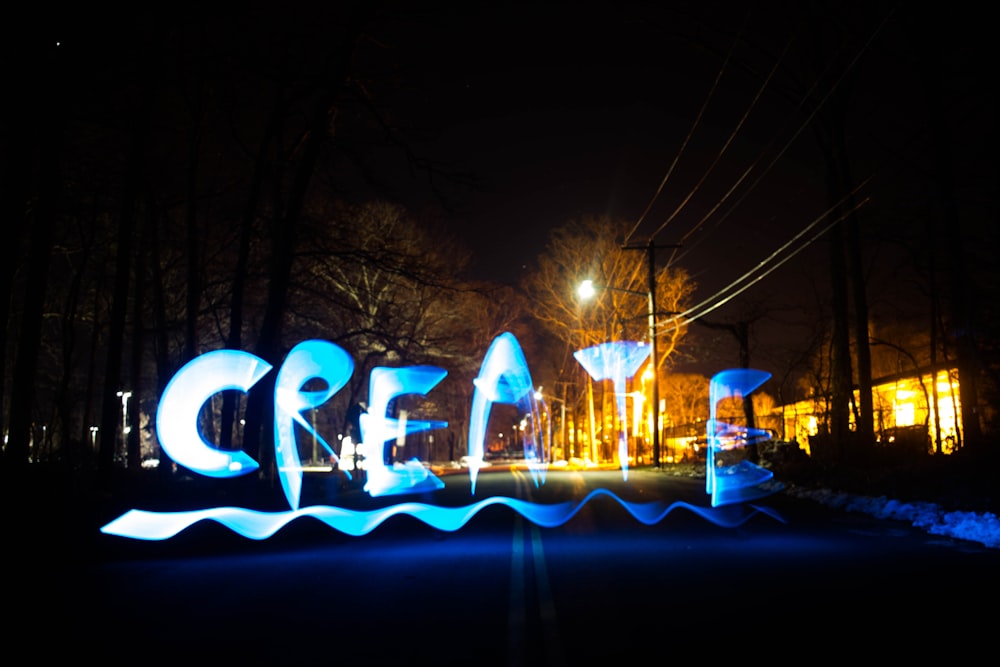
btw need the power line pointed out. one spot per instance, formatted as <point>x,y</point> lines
<point>687,139</point>
<point>751,168</point>
<point>805,123</point>
<point>719,155</point>
<point>721,297</point>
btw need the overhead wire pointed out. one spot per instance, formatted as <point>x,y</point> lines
<point>786,146</point>
<point>732,136</point>
<point>718,157</point>
<point>721,297</point>
<point>677,255</point>
<point>687,138</point>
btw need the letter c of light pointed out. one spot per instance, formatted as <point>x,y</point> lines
<point>182,400</point>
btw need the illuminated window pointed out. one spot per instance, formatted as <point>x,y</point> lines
<point>904,414</point>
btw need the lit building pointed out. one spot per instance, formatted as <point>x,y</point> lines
<point>919,409</point>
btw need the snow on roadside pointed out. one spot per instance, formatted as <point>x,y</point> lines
<point>982,527</point>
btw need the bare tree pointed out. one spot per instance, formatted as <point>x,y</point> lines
<point>286,213</point>
<point>686,398</point>
<point>590,249</point>
<point>389,289</point>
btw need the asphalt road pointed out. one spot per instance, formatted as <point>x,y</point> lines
<point>602,588</point>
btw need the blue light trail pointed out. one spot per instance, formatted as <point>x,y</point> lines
<point>143,525</point>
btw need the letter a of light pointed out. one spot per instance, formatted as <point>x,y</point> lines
<point>309,360</point>
<point>181,402</point>
<point>503,378</point>
<point>616,361</point>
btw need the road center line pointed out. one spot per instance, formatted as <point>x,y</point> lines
<point>546,605</point>
<point>516,611</point>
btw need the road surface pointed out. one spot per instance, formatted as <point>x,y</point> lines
<point>602,588</point>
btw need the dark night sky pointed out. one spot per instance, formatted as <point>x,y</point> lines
<point>567,111</point>
<point>570,109</point>
<point>573,113</point>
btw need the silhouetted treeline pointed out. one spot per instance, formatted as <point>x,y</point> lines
<point>176,184</point>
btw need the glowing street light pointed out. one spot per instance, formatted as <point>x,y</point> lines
<point>125,395</point>
<point>126,429</point>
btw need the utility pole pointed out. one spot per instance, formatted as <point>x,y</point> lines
<point>567,450</point>
<point>650,249</point>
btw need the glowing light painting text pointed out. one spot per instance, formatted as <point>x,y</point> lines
<point>742,480</point>
<point>177,414</point>
<point>309,360</point>
<point>615,361</point>
<point>386,384</point>
<point>503,378</point>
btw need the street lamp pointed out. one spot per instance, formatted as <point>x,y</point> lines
<point>585,291</point>
<point>126,429</point>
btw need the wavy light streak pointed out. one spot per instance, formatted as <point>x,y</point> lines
<point>253,524</point>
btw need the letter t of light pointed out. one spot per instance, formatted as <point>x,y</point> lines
<point>616,361</point>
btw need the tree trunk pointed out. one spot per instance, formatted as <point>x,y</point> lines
<point>32,115</point>
<point>840,362</point>
<point>234,340</point>
<point>192,233</point>
<point>862,339</point>
<point>22,400</point>
<point>161,351</point>
<point>17,167</point>
<point>284,236</point>
<point>71,439</point>
<point>960,286</point>
<point>133,444</point>
<point>110,401</point>
<point>111,415</point>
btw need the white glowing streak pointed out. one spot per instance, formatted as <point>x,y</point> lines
<point>309,360</point>
<point>503,378</point>
<point>386,384</point>
<point>616,361</point>
<point>742,481</point>
<point>181,402</point>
